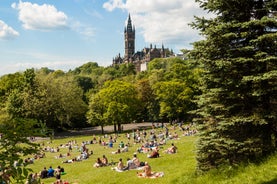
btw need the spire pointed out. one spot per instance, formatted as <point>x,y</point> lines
<point>129,24</point>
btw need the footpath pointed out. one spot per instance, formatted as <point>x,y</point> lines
<point>97,130</point>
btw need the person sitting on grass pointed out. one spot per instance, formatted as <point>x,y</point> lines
<point>58,173</point>
<point>120,165</point>
<point>130,165</point>
<point>147,169</point>
<point>98,163</point>
<point>51,172</point>
<point>121,144</point>
<point>147,172</point>
<point>104,161</point>
<point>44,173</point>
<point>136,161</point>
<point>172,149</point>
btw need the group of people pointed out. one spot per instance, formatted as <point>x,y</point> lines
<point>151,142</point>
<point>133,163</point>
<point>50,172</point>
<point>101,162</point>
<point>34,178</point>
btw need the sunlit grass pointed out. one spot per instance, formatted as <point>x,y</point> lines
<point>178,168</point>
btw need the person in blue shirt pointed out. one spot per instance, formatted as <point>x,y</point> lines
<point>51,172</point>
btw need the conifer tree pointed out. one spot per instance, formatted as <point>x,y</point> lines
<point>238,105</point>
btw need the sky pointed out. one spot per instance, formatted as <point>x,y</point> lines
<point>65,34</point>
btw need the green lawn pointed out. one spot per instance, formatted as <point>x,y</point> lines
<point>177,168</point>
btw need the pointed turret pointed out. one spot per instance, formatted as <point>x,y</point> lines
<point>129,28</point>
<point>129,34</point>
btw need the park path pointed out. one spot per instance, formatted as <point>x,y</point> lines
<point>97,130</point>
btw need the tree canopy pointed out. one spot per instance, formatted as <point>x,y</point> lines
<point>116,103</point>
<point>238,101</point>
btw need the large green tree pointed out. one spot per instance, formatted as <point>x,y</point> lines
<point>116,103</point>
<point>239,58</point>
<point>149,103</point>
<point>96,111</point>
<point>174,99</point>
<point>62,101</point>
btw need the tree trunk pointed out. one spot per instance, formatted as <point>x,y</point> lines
<point>119,127</point>
<point>114,126</point>
<point>102,129</point>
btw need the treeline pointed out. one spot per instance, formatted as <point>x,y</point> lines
<point>95,95</point>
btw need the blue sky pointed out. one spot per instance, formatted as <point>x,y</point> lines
<point>64,34</point>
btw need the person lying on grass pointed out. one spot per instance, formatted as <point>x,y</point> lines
<point>154,153</point>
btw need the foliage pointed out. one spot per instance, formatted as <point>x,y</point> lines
<point>174,98</point>
<point>62,102</point>
<point>87,68</point>
<point>59,99</point>
<point>115,103</point>
<point>14,145</point>
<point>174,83</point>
<point>238,101</point>
<point>149,104</point>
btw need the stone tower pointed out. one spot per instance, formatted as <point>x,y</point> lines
<point>129,36</point>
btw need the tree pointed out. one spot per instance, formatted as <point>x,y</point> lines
<point>175,83</point>
<point>127,69</point>
<point>15,145</point>
<point>8,85</point>
<point>174,99</point>
<point>62,102</point>
<point>119,101</point>
<point>149,103</point>
<point>238,104</point>
<point>53,99</point>
<point>95,114</point>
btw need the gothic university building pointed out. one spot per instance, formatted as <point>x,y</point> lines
<point>139,58</point>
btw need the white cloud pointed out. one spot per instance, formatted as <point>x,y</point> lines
<point>113,4</point>
<point>7,32</point>
<point>40,17</point>
<point>162,21</point>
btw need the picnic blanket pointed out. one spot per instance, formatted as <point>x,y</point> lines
<point>118,170</point>
<point>153,175</point>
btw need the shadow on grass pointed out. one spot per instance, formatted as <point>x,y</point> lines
<point>273,181</point>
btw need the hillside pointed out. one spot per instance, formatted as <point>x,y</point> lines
<point>177,168</point>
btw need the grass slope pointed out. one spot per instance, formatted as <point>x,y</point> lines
<point>178,168</point>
